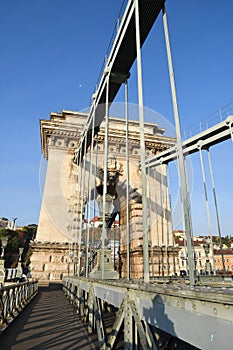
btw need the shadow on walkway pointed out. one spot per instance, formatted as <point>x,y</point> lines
<point>48,322</point>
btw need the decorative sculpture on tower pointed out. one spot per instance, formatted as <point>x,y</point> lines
<point>113,174</point>
<point>104,268</point>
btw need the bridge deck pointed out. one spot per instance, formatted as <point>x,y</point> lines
<point>48,322</point>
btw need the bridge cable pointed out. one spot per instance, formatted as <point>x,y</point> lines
<point>157,213</point>
<point>90,177</point>
<point>82,199</point>
<point>186,203</point>
<point>216,209</point>
<point>207,208</point>
<point>78,257</point>
<point>127,178</point>
<point>150,210</point>
<point>76,212</point>
<point>154,211</point>
<point>170,210</point>
<point>142,146</point>
<point>167,221</point>
<point>104,228</point>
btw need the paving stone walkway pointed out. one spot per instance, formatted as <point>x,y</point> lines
<point>48,322</point>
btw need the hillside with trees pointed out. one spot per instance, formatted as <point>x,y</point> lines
<point>18,239</point>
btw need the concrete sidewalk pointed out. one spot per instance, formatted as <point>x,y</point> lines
<point>48,322</point>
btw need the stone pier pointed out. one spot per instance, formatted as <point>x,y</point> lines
<point>59,222</point>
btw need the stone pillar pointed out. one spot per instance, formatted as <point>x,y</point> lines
<point>60,211</point>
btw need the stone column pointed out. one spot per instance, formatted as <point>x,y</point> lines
<point>60,212</point>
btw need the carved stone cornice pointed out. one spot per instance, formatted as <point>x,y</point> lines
<point>158,143</point>
<point>62,130</point>
<point>154,138</point>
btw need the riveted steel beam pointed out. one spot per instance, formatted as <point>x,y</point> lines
<point>101,332</point>
<point>116,327</point>
<point>177,309</point>
<point>128,325</point>
<point>146,338</point>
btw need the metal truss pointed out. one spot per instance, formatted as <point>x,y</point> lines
<point>149,316</point>
<point>126,320</point>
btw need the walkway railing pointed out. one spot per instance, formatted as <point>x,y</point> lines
<point>13,298</point>
<point>212,120</point>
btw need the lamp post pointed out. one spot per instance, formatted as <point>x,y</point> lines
<point>71,254</point>
<point>19,267</point>
<point>75,265</point>
<point>208,267</point>
<point>2,260</point>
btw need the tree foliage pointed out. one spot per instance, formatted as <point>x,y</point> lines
<point>227,240</point>
<point>16,240</point>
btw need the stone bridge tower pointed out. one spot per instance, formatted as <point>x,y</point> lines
<point>59,138</point>
<point>60,211</point>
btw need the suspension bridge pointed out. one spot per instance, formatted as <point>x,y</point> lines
<point>127,289</point>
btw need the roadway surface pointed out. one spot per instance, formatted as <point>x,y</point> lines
<point>48,322</point>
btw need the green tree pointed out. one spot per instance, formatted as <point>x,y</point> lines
<point>12,248</point>
<point>17,239</point>
<point>227,240</point>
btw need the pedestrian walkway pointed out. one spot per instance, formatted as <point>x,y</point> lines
<point>48,322</point>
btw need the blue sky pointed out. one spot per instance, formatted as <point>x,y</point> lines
<point>51,55</point>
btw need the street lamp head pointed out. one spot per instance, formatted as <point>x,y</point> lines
<point>4,241</point>
<point>21,250</point>
<point>4,244</point>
